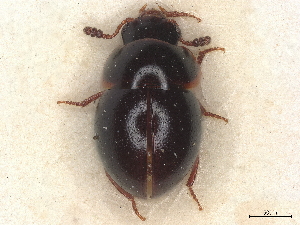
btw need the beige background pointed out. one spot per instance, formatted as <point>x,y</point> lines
<point>50,170</point>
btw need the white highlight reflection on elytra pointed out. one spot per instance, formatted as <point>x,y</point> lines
<point>134,133</point>
<point>163,125</point>
<point>135,136</point>
<point>150,70</point>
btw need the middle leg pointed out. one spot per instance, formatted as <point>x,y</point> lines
<point>84,102</point>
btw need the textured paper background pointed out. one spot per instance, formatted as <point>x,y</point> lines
<point>50,170</point>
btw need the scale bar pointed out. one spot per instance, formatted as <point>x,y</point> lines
<point>270,216</point>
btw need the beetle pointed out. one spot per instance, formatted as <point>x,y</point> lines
<point>147,121</point>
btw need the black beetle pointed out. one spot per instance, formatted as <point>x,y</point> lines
<point>147,121</point>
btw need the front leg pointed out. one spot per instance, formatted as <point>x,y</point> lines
<point>201,54</point>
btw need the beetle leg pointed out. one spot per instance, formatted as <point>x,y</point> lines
<point>143,9</point>
<point>94,32</point>
<point>84,102</point>
<point>203,53</point>
<point>177,14</point>
<point>205,113</point>
<point>191,180</point>
<point>127,195</point>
